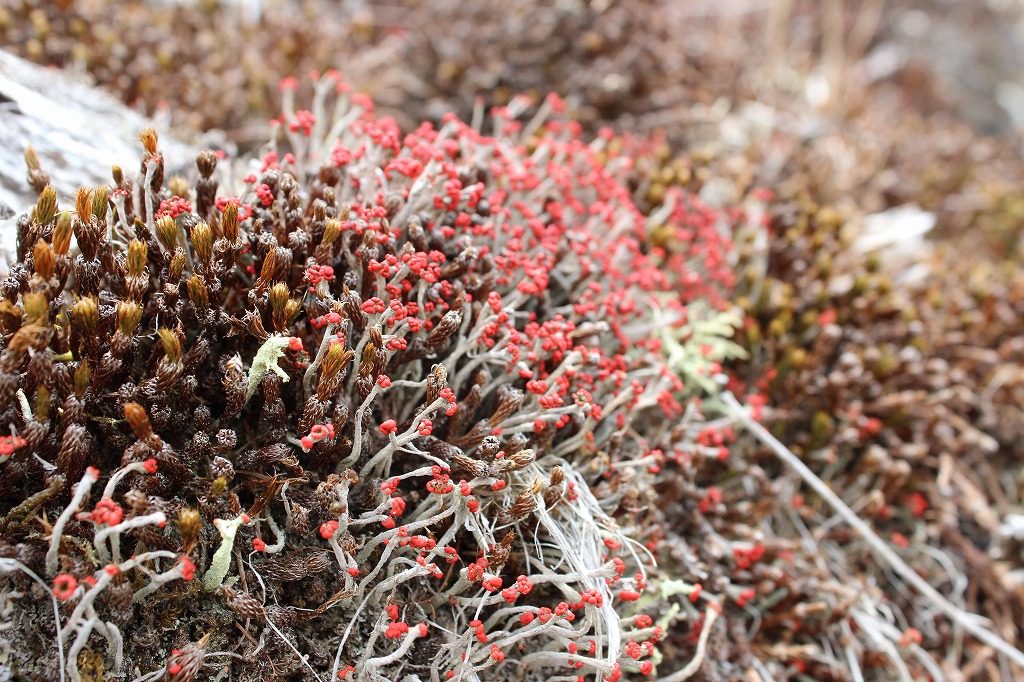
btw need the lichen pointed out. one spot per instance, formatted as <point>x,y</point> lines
<point>265,361</point>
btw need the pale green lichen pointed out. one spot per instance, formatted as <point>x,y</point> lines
<point>663,591</point>
<point>266,361</point>
<point>704,339</point>
<point>221,561</point>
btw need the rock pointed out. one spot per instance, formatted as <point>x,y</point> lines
<point>78,133</point>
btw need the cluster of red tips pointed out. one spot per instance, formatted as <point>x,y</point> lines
<point>397,506</point>
<point>745,557</point>
<point>522,586</point>
<point>592,597</point>
<point>745,596</point>
<point>917,503</point>
<point>629,595</point>
<point>264,194</point>
<point>397,628</point>
<point>188,568</point>
<point>476,570</point>
<point>105,513</point>
<point>373,306</point>
<point>318,433</point>
<point>319,273</point>
<point>711,499</point>
<point>481,634</point>
<point>324,320</point>
<point>440,482</point>
<point>328,529</point>
<point>8,444</point>
<point>64,586</point>
<point>173,207</point>
<point>302,122</point>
